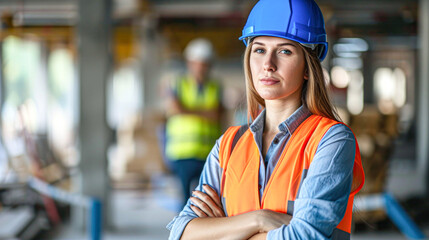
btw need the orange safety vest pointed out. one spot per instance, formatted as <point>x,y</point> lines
<point>239,182</point>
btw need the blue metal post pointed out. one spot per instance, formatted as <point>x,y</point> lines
<point>95,220</point>
<point>401,219</point>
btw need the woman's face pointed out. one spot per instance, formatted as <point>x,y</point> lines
<point>199,70</point>
<point>277,66</point>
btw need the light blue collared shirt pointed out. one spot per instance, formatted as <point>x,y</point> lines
<point>323,196</point>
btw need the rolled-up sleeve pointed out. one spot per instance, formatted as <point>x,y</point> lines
<point>211,176</point>
<point>322,200</point>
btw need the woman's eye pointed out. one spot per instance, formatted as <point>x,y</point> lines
<point>285,51</point>
<point>259,50</point>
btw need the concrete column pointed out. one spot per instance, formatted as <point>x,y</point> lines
<point>94,39</point>
<point>150,60</point>
<point>423,95</point>
<point>2,84</point>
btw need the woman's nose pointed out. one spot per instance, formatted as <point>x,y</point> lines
<point>269,63</point>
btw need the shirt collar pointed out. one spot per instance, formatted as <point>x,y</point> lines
<point>290,124</point>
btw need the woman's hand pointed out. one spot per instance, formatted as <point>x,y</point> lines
<point>207,204</point>
<point>269,220</point>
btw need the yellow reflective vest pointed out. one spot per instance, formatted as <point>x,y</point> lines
<point>189,135</point>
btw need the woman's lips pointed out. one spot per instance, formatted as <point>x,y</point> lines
<point>269,81</point>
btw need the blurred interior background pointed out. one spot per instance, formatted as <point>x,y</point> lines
<point>82,104</point>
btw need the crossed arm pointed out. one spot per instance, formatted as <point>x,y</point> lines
<point>318,210</point>
<point>175,107</point>
<point>213,224</point>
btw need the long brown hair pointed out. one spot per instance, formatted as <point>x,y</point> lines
<point>314,92</point>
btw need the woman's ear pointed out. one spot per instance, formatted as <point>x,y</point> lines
<point>306,74</point>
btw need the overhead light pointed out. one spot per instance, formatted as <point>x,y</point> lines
<point>354,44</point>
<point>348,63</point>
<point>348,54</point>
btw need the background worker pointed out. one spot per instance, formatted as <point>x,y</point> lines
<point>193,112</point>
<point>293,173</point>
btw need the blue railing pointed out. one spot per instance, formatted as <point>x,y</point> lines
<point>93,205</point>
<point>393,210</point>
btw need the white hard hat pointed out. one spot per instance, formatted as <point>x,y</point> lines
<point>199,49</point>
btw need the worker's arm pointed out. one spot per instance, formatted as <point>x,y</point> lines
<point>243,226</point>
<point>211,176</point>
<point>324,193</point>
<point>259,236</point>
<point>251,225</point>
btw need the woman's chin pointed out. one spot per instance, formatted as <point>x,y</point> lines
<point>269,96</point>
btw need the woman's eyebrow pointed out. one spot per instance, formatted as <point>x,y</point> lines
<point>286,44</point>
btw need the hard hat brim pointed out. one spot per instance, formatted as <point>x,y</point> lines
<point>322,49</point>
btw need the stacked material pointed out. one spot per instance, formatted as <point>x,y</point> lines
<point>375,134</point>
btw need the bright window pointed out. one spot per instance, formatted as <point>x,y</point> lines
<point>390,89</point>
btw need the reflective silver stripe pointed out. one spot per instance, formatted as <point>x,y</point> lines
<point>303,176</point>
<point>290,206</point>
<point>339,234</point>
<point>237,136</point>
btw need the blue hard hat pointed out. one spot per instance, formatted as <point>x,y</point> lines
<point>297,20</point>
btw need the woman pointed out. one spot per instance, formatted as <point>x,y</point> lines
<point>294,172</point>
